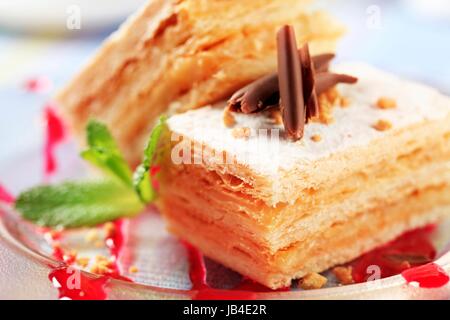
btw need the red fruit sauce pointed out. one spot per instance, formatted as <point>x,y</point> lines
<point>115,243</point>
<point>429,275</point>
<point>73,284</point>
<point>6,196</point>
<point>37,85</point>
<point>412,249</point>
<point>246,290</point>
<point>88,287</point>
<point>55,134</point>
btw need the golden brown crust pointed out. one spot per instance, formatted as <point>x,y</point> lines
<point>361,204</point>
<point>181,54</point>
<point>339,244</point>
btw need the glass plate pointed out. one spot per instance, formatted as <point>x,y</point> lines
<point>26,257</point>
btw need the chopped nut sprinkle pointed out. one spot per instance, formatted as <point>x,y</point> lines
<point>276,116</point>
<point>228,118</point>
<point>344,102</point>
<point>91,236</point>
<point>109,228</point>
<point>344,275</point>
<point>83,262</point>
<point>102,265</point>
<point>386,103</point>
<point>133,269</point>
<point>382,125</point>
<point>56,245</point>
<point>101,269</point>
<point>316,138</point>
<point>326,110</point>
<point>100,258</point>
<point>313,281</point>
<point>99,244</point>
<point>241,133</point>
<point>332,95</point>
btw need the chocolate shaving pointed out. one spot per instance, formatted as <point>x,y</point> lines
<point>309,90</point>
<point>292,101</point>
<point>326,80</point>
<point>294,89</point>
<point>264,93</point>
<point>257,96</point>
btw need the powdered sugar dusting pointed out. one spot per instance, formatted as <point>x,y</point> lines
<point>352,126</point>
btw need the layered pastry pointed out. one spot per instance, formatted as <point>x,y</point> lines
<point>175,55</point>
<point>277,184</point>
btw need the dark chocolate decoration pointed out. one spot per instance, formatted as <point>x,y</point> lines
<point>294,88</point>
<point>309,90</point>
<point>292,101</point>
<point>264,93</point>
<point>327,80</point>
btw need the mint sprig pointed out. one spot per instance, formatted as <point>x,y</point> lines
<point>104,153</point>
<point>142,180</point>
<point>89,203</point>
<point>78,204</point>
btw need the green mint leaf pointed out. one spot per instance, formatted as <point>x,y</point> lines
<point>104,153</point>
<point>78,204</point>
<point>141,180</point>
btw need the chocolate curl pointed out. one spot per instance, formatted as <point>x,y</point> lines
<point>290,83</point>
<point>264,93</point>
<point>321,62</point>
<point>309,90</point>
<point>326,81</point>
<point>257,96</point>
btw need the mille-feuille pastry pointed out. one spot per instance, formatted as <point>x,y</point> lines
<point>175,55</point>
<point>295,175</point>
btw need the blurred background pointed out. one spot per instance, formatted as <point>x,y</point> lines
<point>44,42</point>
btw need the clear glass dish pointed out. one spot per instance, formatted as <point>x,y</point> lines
<point>26,257</point>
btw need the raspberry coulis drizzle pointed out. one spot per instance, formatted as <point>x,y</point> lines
<point>89,288</point>
<point>55,134</point>
<point>39,84</point>
<point>246,290</point>
<point>5,196</point>
<point>412,249</point>
<point>428,276</point>
<point>115,241</point>
<point>75,285</point>
<point>410,255</point>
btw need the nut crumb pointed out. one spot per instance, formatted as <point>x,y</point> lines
<point>344,275</point>
<point>109,228</point>
<point>241,133</point>
<point>382,125</point>
<point>228,118</point>
<point>56,245</point>
<point>386,103</point>
<point>102,265</point>
<point>313,281</point>
<point>332,95</point>
<point>133,269</point>
<point>276,116</point>
<point>326,110</point>
<point>316,138</point>
<point>91,236</point>
<point>99,244</point>
<point>83,262</point>
<point>344,102</point>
